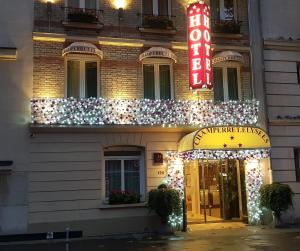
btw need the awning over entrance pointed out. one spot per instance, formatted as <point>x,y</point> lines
<point>225,138</point>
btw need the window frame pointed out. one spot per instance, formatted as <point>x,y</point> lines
<point>225,66</point>
<point>82,58</point>
<point>155,8</point>
<point>222,8</point>
<point>82,4</point>
<point>142,174</point>
<point>298,71</point>
<point>156,62</point>
<point>297,163</point>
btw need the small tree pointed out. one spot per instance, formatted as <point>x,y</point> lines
<point>165,201</point>
<point>277,197</point>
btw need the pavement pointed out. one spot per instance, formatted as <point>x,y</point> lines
<point>211,237</point>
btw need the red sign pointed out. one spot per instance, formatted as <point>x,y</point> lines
<point>199,43</point>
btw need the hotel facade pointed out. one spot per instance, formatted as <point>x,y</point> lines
<point>111,108</point>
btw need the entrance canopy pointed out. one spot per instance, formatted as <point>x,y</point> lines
<point>82,48</point>
<point>239,141</point>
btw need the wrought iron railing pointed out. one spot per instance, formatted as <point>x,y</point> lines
<point>226,26</point>
<point>157,21</point>
<point>82,15</point>
<point>99,111</point>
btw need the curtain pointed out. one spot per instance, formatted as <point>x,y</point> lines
<point>149,86</point>
<point>112,176</point>
<point>163,8</point>
<point>233,87</point>
<point>132,176</point>
<point>90,4</point>
<point>73,3</point>
<point>73,78</point>
<point>165,82</point>
<point>90,79</point>
<point>218,84</point>
<point>147,7</point>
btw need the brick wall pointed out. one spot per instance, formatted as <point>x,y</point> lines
<point>48,69</point>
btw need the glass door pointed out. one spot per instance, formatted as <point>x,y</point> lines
<point>220,190</point>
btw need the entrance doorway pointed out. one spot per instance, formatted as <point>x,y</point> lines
<point>215,190</point>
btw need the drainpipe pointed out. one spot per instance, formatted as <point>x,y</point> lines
<point>257,60</point>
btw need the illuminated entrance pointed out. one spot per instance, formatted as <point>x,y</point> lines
<point>223,172</point>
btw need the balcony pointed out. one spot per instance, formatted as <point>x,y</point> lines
<point>162,24</point>
<point>165,113</point>
<point>226,26</point>
<point>83,18</point>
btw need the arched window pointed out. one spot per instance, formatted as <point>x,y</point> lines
<point>226,76</point>
<point>82,62</point>
<point>157,65</point>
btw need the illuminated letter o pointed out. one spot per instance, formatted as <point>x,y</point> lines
<point>206,36</point>
<point>195,35</point>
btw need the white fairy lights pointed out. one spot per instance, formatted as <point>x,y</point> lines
<point>225,154</point>
<point>175,180</point>
<point>99,111</point>
<point>254,181</point>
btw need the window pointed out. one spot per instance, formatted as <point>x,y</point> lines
<point>82,76</point>
<point>226,79</point>
<point>87,4</point>
<point>124,170</point>
<point>223,9</point>
<point>157,7</point>
<point>297,163</point>
<point>157,79</point>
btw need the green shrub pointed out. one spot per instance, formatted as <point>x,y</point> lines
<point>165,201</point>
<point>123,197</point>
<point>277,197</point>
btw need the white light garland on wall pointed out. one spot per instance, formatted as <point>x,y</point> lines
<point>175,180</point>
<point>254,181</point>
<point>99,111</point>
<point>225,154</point>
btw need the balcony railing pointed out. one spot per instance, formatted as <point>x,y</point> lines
<point>164,22</point>
<point>84,16</point>
<point>226,26</point>
<point>99,111</point>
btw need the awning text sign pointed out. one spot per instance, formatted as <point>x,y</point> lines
<point>231,138</point>
<point>199,46</point>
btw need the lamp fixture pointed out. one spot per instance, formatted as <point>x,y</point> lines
<point>120,13</point>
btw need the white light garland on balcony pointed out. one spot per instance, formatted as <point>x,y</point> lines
<point>99,111</point>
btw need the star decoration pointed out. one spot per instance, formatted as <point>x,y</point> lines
<point>232,137</point>
<point>225,145</point>
<point>240,145</point>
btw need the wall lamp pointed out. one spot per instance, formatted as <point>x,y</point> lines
<point>120,13</point>
<point>49,7</point>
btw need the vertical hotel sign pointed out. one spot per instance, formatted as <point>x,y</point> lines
<point>199,46</point>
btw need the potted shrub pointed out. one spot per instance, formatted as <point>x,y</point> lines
<point>157,22</point>
<point>81,16</point>
<point>226,26</point>
<point>276,197</point>
<point>123,197</point>
<point>165,201</point>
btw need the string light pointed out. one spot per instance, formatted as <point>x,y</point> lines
<point>99,111</point>
<point>175,180</point>
<point>254,181</point>
<point>225,154</point>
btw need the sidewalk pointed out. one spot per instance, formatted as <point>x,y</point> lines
<point>220,236</point>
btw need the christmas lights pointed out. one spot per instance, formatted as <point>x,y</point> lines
<point>254,181</point>
<point>99,111</point>
<point>175,179</point>
<point>225,154</point>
